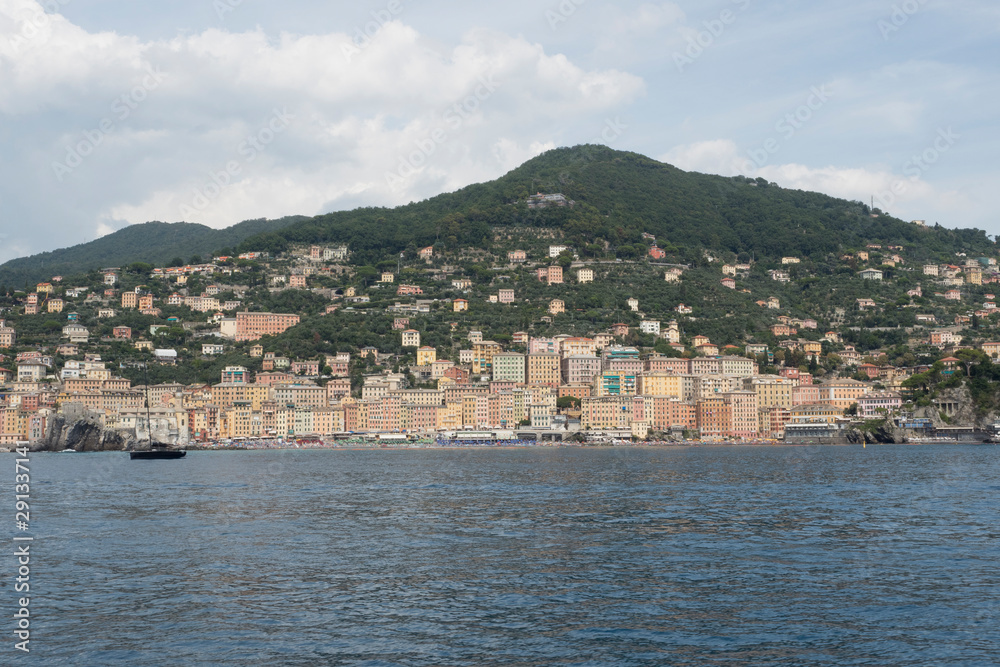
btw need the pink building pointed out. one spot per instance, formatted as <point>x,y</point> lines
<point>253,326</point>
<point>805,394</point>
<point>668,365</point>
<point>879,403</point>
<point>553,275</point>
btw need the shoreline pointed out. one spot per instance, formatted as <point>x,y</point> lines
<point>433,447</point>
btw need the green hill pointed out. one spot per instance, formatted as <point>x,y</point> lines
<point>153,242</point>
<point>619,196</point>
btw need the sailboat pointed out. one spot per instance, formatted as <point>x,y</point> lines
<point>156,450</point>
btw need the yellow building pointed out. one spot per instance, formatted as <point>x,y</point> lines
<point>661,384</point>
<point>482,356</point>
<point>449,416</point>
<point>239,422</point>
<point>606,412</point>
<point>815,412</point>
<point>772,392</point>
<point>842,394</point>
<point>615,383</point>
<point>544,369</point>
<point>228,394</point>
<point>578,346</point>
<point>426,356</point>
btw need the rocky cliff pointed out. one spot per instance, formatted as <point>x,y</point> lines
<point>82,433</point>
<point>966,415</point>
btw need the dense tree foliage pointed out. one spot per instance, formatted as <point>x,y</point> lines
<point>619,196</point>
<point>159,243</point>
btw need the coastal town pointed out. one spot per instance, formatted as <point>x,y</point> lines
<point>653,376</point>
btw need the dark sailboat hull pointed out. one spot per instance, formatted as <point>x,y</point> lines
<point>158,454</point>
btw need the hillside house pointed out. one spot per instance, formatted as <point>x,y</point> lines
<point>411,338</point>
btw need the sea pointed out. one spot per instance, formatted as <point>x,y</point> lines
<point>730,555</point>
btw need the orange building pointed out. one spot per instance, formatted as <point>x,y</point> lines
<point>713,417</point>
<point>252,326</point>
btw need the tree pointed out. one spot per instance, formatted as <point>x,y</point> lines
<point>366,274</point>
<point>567,402</point>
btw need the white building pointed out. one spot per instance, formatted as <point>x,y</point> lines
<point>650,327</point>
<point>555,250</point>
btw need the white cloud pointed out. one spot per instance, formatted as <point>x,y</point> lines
<point>899,194</point>
<point>438,117</point>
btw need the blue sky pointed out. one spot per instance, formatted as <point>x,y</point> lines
<point>215,111</point>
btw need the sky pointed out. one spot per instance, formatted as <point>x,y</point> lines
<point>114,112</point>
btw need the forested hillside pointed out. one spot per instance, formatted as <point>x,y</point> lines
<point>619,196</point>
<point>153,242</point>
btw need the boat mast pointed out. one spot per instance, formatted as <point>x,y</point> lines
<point>149,424</point>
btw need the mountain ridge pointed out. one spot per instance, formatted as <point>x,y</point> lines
<point>620,197</point>
<point>155,242</point>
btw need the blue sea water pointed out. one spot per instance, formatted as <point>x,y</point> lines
<point>677,556</point>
